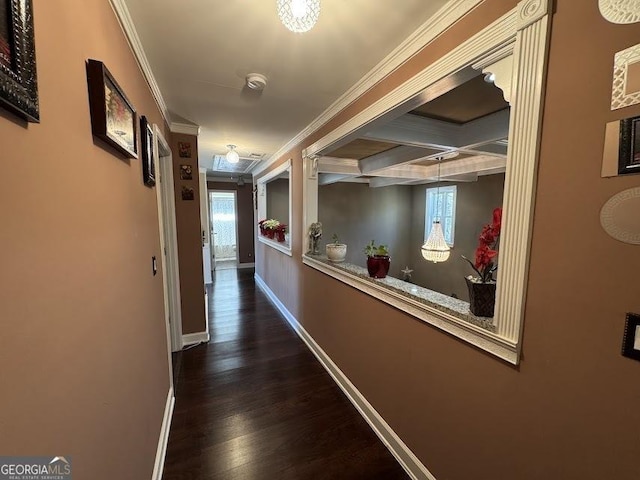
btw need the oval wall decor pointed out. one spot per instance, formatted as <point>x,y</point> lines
<point>620,11</point>
<point>620,216</point>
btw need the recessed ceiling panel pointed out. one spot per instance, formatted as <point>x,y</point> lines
<point>361,148</point>
<point>470,101</point>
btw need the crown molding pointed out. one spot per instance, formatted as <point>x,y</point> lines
<point>450,13</point>
<point>185,128</point>
<point>129,29</point>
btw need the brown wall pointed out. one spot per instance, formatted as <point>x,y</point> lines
<point>83,353</point>
<point>244,199</point>
<point>568,411</point>
<point>189,238</point>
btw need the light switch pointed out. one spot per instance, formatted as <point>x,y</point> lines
<point>154,265</point>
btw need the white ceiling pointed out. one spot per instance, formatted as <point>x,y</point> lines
<point>201,50</point>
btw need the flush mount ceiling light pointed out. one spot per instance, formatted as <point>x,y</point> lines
<point>232,156</point>
<point>298,15</point>
<point>256,81</point>
<point>435,248</point>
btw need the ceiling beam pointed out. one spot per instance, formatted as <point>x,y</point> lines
<point>329,178</point>
<point>396,157</point>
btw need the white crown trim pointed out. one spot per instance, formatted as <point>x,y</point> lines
<point>126,22</point>
<point>185,128</point>
<point>450,13</point>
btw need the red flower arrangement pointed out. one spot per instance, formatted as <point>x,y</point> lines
<point>487,249</point>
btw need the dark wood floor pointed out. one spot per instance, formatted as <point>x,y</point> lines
<point>254,403</point>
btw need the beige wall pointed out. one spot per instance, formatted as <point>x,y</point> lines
<point>189,238</point>
<point>568,410</point>
<point>83,354</point>
<point>277,200</point>
<point>245,205</point>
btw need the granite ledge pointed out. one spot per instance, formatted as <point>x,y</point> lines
<point>452,306</point>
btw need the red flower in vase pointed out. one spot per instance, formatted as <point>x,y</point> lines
<point>487,250</point>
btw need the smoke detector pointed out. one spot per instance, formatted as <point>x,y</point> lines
<point>256,81</point>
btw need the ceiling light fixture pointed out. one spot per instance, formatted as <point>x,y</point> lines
<point>256,81</point>
<point>435,248</point>
<point>298,15</point>
<point>232,156</point>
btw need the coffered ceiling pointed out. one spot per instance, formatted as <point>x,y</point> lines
<point>458,135</point>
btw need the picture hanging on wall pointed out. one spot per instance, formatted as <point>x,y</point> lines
<point>146,139</point>
<point>18,79</point>
<point>186,172</point>
<point>184,149</point>
<point>113,118</point>
<point>188,193</point>
<point>629,158</point>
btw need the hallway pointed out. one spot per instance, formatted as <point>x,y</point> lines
<point>255,403</point>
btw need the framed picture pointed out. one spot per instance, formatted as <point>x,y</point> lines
<point>146,141</point>
<point>113,118</point>
<point>629,157</point>
<point>631,338</point>
<point>186,172</point>
<point>18,79</point>
<point>188,193</point>
<point>184,149</point>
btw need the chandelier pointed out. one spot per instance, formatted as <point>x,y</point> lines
<point>299,15</point>
<point>435,248</point>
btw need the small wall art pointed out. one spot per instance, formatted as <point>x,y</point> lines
<point>188,193</point>
<point>148,167</point>
<point>113,118</point>
<point>18,79</point>
<point>186,172</point>
<point>629,157</point>
<point>625,89</point>
<point>184,149</point>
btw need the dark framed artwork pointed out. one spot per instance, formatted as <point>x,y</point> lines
<point>18,79</point>
<point>188,193</point>
<point>146,141</point>
<point>631,337</point>
<point>629,158</point>
<point>186,172</point>
<point>184,149</point>
<point>113,118</point>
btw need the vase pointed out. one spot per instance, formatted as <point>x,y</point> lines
<point>378,265</point>
<point>336,252</point>
<point>270,233</point>
<point>482,297</point>
<point>280,235</point>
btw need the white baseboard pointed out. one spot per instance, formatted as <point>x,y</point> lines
<point>392,441</point>
<point>193,338</point>
<point>161,453</point>
<point>246,265</point>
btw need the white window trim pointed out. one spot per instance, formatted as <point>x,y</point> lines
<point>261,184</point>
<point>428,222</point>
<point>514,47</point>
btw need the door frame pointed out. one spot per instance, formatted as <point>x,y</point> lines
<point>165,196</point>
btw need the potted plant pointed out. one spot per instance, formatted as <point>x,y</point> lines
<point>336,251</point>
<point>482,289</point>
<point>378,260</point>
<point>269,228</point>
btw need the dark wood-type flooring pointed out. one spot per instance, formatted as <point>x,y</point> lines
<point>255,403</point>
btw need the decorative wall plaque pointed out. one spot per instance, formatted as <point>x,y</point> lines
<point>619,216</point>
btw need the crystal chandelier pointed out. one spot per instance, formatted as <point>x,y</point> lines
<point>435,248</point>
<point>299,15</point>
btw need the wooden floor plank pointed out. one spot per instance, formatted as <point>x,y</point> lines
<point>254,403</point>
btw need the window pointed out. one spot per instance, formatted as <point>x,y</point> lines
<point>441,205</point>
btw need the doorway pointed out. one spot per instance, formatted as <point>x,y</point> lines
<point>224,229</point>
